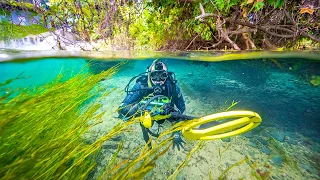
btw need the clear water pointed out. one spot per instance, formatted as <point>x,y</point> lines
<point>280,89</point>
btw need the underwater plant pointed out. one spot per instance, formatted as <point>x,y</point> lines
<point>223,175</point>
<point>43,131</point>
<point>41,128</point>
<point>277,148</point>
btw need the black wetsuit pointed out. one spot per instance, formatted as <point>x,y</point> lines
<point>171,90</point>
<point>138,92</point>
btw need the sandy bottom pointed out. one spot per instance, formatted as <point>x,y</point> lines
<point>216,159</point>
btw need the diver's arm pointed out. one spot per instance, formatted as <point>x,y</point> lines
<point>130,103</point>
<point>179,101</point>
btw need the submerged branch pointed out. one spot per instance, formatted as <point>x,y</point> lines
<point>265,29</point>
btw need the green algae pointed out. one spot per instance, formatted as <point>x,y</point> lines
<point>315,80</point>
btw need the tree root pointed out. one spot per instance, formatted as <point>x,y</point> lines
<point>287,31</point>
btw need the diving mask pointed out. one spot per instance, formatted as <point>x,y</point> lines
<point>159,77</point>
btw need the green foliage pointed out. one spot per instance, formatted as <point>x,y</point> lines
<point>4,12</point>
<point>258,6</point>
<point>306,43</point>
<point>147,24</point>
<point>276,3</point>
<point>192,26</point>
<point>270,2</point>
<point>225,5</point>
<point>279,4</point>
<point>14,5</point>
<point>89,19</point>
<point>12,31</point>
<point>154,26</point>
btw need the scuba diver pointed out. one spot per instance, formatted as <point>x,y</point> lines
<point>157,86</point>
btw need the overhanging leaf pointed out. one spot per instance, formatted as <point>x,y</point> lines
<point>258,6</point>
<point>306,10</point>
<point>271,2</point>
<point>279,4</point>
<point>244,12</point>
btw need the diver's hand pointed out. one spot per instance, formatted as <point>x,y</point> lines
<point>168,108</point>
<point>177,140</point>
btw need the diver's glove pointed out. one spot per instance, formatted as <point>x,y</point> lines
<point>168,108</point>
<point>177,140</point>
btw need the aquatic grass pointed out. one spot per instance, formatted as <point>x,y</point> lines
<point>41,129</point>
<point>43,133</point>
<point>223,175</point>
<point>137,168</point>
<point>233,103</point>
<point>143,159</point>
<point>220,152</point>
<point>253,166</point>
<point>282,152</point>
<point>180,167</point>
